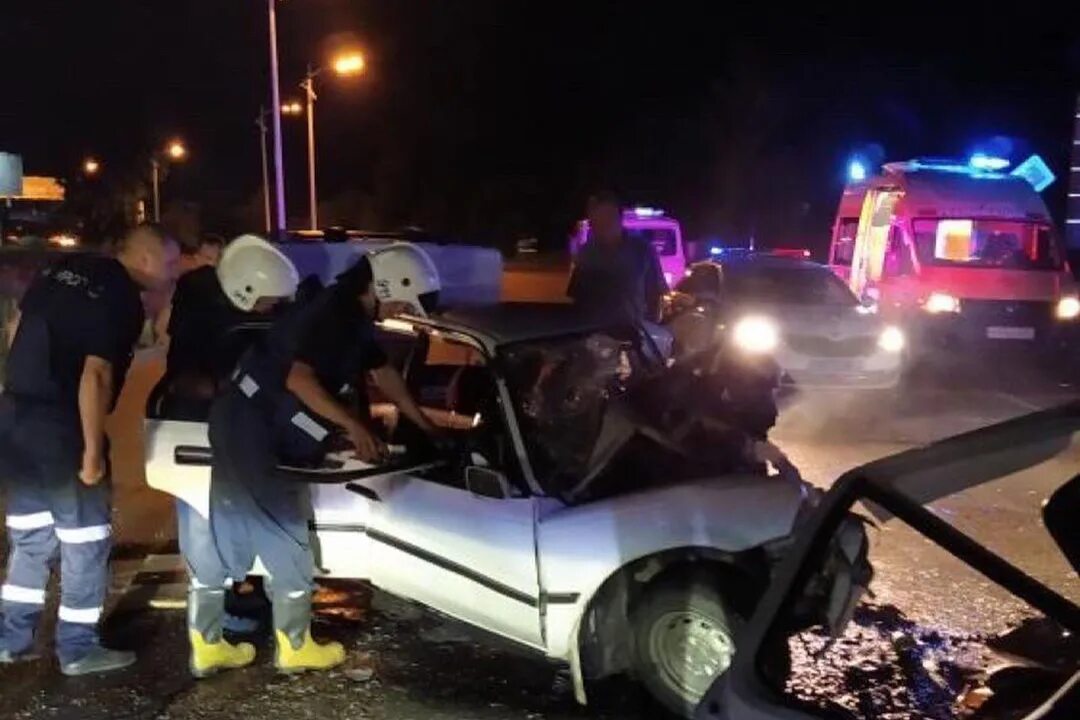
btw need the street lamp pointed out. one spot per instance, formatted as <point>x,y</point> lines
<point>91,167</point>
<point>292,108</point>
<point>344,65</point>
<point>175,151</point>
<point>275,105</point>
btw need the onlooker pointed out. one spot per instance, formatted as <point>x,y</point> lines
<point>616,274</point>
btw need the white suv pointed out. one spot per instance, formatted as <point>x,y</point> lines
<point>648,577</point>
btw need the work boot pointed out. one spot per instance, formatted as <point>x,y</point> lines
<point>99,660</point>
<point>296,650</point>
<point>211,658</point>
<point>210,652</point>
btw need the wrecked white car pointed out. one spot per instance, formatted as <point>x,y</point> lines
<point>577,532</point>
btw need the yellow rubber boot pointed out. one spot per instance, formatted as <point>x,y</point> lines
<point>210,658</point>
<point>309,656</point>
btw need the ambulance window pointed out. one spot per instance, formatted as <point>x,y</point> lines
<point>844,245</point>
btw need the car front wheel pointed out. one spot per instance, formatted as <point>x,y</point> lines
<point>684,639</point>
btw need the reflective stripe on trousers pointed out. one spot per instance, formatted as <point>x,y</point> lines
<point>71,521</point>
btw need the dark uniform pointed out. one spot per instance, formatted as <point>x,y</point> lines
<point>201,351</point>
<point>204,347</point>
<point>79,307</point>
<point>624,281</point>
<point>255,426</point>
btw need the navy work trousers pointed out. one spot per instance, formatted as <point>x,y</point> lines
<point>51,513</point>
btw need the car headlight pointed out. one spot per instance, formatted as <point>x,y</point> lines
<point>891,339</point>
<point>756,335</point>
<point>1068,308</point>
<point>64,240</point>
<point>940,302</point>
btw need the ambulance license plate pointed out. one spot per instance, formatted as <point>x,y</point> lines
<point>1010,333</point>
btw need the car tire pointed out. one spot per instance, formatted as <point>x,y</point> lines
<point>684,637</point>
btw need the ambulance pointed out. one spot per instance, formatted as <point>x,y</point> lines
<point>660,229</point>
<point>958,253</point>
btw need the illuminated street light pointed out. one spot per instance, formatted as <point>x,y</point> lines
<point>344,65</point>
<point>175,151</point>
<point>351,63</point>
<point>91,166</point>
<point>292,108</point>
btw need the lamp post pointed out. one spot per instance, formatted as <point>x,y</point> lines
<point>275,107</point>
<point>176,152</point>
<point>91,167</point>
<point>346,64</point>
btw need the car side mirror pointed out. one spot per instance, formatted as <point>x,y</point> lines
<point>486,482</point>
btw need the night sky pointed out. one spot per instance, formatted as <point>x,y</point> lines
<point>491,119</point>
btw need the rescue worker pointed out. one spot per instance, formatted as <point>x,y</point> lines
<point>78,325</point>
<point>208,306</point>
<point>202,352</point>
<point>615,274</point>
<point>281,409</point>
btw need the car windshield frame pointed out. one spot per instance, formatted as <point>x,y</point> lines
<point>734,276</point>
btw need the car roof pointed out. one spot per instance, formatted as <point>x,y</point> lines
<point>507,323</point>
<point>752,261</point>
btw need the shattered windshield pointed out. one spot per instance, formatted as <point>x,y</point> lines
<point>561,389</point>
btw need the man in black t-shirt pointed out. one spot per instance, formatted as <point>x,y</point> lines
<point>74,338</point>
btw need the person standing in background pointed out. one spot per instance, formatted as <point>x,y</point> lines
<point>616,275</point>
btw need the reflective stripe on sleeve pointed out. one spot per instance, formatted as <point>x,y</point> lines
<point>32,521</point>
<point>19,594</point>
<point>82,616</point>
<point>306,423</point>
<point>248,386</point>
<point>75,536</point>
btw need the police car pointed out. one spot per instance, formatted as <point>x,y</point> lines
<point>652,578</point>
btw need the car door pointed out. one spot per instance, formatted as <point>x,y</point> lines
<point>471,557</point>
<point>435,540</point>
<point>898,287</point>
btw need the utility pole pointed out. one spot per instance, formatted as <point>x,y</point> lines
<point>275,110</point>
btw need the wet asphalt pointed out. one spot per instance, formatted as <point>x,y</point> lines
<point>918,648</point>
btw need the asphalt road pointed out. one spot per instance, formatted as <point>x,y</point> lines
<point>428,667</point>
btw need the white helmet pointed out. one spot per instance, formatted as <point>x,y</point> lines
<point>402,272</point>
<point>251,268</point>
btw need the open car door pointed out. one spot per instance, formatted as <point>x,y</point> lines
<point>460,536</point>
<point>915,671</point>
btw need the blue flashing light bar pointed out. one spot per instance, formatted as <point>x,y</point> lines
<point>982,161</point>
<point>1036,172</point>
<point>856,171</point>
